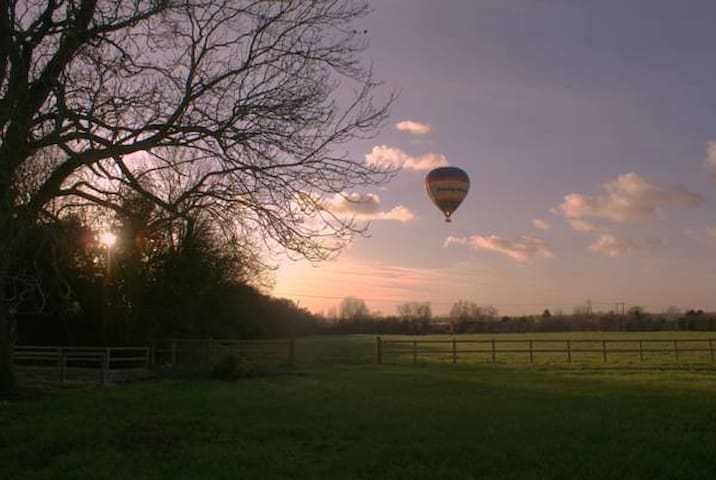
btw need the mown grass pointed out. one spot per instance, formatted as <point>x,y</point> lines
<point>390,421</point>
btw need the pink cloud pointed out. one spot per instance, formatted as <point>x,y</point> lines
<point>523,249</point>
<point>392,157</point>
<point>628,198</point>
<point>411,126</point>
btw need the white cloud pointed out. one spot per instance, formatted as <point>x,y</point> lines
<point>398,213</point>
<point>541,224</point>
<point>392,157</point>
<point>608,244</point>
<point>523,249</point>
<point>582,226</point>
<point>628,198</point>
<point>366,207</point>
<point>710,161</point>
<point>411,126</point>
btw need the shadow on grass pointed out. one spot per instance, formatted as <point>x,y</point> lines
<point>423,421</point>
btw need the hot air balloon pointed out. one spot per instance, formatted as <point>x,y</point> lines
<point>447,187</point>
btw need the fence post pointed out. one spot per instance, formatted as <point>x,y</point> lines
<point>292,351</point>
<point>415,351</point>
<point>569,351</point>
<point>454,351</point>
<point>531,352</point>
<point>102,364</point>
<point>711,350</point>
<point>174,354</point>
<point>676,350</point>
<point>209,352</point>
<point>494,353</point>
<point>378,351</point>
<point>641,351</point>
<point>148,357</point>
<point>61,365</point>
<point>604,351</point>
<point>106,364</point>
<point>59,355</point>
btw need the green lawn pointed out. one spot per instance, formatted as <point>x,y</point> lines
<point>425,421</point>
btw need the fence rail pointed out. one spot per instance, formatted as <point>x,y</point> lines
<point>530,348</point>
<point>80,362</point>
<point>201,353</point>
<point>98,364</point>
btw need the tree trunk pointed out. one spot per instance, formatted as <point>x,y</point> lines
<point>8,244</point>
<point>7,377</point>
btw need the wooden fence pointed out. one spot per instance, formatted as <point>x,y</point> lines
<point>202,353</point>
<point>79,364</point>
<point>106,364</point>
<point>568,349</point>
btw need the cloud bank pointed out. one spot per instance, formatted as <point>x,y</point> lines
<point>392,157</point>
<point>629,198</point>
<point>523,249</point>
<point>411,126</point>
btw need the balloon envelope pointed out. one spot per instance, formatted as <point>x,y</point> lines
<point>447,187</point>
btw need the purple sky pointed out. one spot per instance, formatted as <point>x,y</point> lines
<point>585,129</point>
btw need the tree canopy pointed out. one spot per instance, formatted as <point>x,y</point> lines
<point>231,110</point>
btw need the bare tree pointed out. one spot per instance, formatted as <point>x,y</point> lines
<point>417,314</point>
<point>353,308</point>
<point>235,108</point>
<point>468,310</point>
<point>415,310</point>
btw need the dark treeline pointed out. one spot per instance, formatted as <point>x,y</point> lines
<point>691,320</point>
<point>179,281</point>
<point>185,280</point>
<point>467,317</point>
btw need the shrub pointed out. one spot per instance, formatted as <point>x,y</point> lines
<point>232,367</point>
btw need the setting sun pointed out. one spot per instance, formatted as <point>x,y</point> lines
<point>107,238</point>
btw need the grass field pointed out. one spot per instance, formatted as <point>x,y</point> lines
<point>430,421</point>
<point>512,349</point>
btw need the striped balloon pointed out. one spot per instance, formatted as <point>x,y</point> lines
<point>447,187</point>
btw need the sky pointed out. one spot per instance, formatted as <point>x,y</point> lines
<point>588,130</point>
